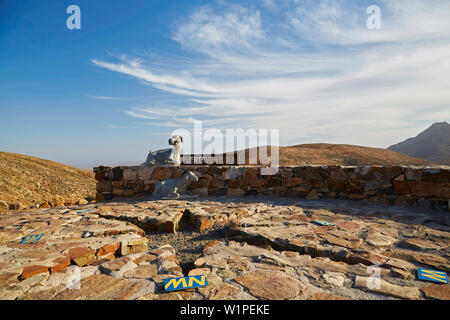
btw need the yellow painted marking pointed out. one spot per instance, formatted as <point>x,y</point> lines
<point>176,283</point>
<point>200,282</point>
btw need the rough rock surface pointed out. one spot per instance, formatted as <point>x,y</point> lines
<point>266,249</point>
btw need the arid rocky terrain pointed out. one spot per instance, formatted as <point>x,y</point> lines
<point>30,182</point>
<point>248,247</point>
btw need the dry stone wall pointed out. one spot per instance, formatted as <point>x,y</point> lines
<point>406,186</point>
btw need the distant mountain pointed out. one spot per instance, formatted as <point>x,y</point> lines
<point>433,144</point>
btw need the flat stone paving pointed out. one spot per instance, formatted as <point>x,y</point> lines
<point>248,247</point>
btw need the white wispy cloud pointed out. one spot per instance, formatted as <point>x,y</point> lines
<point>116,126</point>
<point>316,72</point>
<point>403,21</point>
<point>108,98</point>
<point>208,31</point>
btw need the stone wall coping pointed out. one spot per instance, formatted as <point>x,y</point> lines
<point>443,167</point>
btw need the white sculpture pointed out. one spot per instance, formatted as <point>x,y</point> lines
<point>176,188</point>
<point>166,156</point>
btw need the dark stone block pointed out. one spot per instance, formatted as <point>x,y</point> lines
<point>108,196</point>
<point>100,176</point>
<point>116,174</point>
<point>251,192</point>
<point>436,175</point>
<point>273,181</point>
<point>221,191</point>
<point>336,185</point>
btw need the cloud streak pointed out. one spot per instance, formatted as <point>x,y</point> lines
<point>108,98</point>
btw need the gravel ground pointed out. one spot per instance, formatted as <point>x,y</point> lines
<point>187,242</point>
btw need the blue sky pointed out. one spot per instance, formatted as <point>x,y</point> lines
<point>137,70</point>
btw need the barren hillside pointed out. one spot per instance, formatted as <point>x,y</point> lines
<point>341,154</point>
<point>31,181</point>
